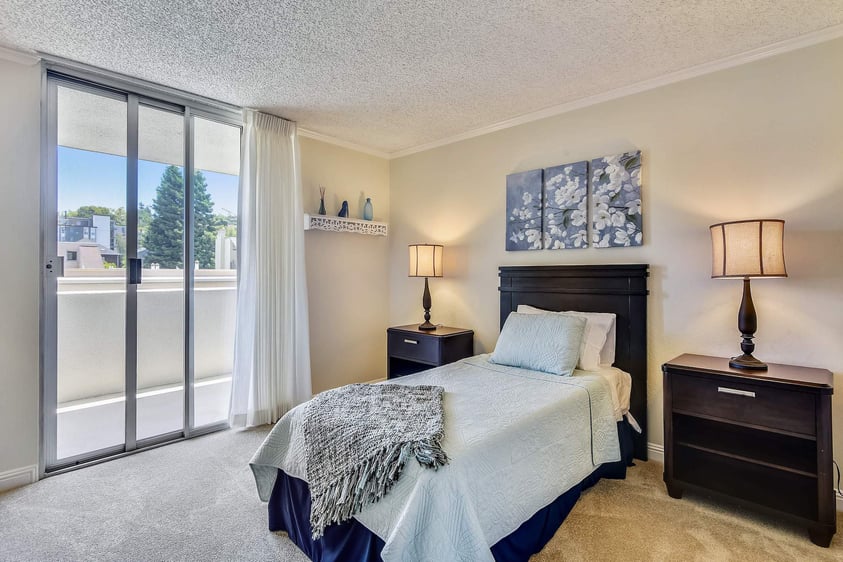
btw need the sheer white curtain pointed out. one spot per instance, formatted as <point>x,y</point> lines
<point>272,348</point>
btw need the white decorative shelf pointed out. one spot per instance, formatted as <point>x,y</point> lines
<point>340,224</point>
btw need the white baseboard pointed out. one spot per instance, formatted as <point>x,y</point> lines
<point>655,452</point>
<point>839,503</point>
<point>18,477</point>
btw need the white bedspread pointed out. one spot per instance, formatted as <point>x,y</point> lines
<point>516,440</point>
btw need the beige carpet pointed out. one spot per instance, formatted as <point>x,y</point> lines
<point>635,519</point>
<point>196,500</point>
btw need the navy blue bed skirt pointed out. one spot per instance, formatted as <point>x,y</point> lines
<point>289,510</point>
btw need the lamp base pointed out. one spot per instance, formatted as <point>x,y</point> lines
<point>426,304</point>
<point>747,324</point>
<point>747,362</point>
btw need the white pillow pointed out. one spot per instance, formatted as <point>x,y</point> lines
<point>599,325</point>
<point>607,354</point>
<point>604,319</point>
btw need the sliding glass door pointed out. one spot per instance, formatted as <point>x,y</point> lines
<point>139,272</point>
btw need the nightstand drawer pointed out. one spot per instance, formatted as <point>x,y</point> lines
<point>763,406</point>
<point>416,347</point>
<point>410,350</point>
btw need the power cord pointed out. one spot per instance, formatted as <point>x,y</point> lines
<point>837,491</point>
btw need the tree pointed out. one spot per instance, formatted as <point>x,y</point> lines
<point>144,220</point>
<point>120,244</point>
<point>118,216</point>
<point>226,222</point>
<point>88,211</point>
<point>204,223</point>
<point>164,238</point>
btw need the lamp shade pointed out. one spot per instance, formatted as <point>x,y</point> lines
<point>425,260</point>
<point>749,248</point>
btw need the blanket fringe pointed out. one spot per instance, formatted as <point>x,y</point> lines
<point>369,481</point>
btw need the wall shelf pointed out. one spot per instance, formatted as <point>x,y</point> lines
<point>340,224</point>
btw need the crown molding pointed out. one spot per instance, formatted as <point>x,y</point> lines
<point>343,143</point>
<point>19,57</point>
<point>780,47</point>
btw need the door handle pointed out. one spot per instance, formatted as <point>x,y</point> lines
<point>55,266</point>
<point>135,269</point>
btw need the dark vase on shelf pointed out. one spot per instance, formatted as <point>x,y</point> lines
<point>322,206</point>
<point>343,210</point>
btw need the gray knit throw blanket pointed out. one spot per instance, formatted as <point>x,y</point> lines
<point>357,439</point>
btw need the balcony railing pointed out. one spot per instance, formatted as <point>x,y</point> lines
<point>91,331</point>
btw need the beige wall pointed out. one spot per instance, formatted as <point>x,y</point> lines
<point>760,140</point>
<point>19,255</point>
<point>347,274</point>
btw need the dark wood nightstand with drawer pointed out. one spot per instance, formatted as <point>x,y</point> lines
<point>411,350</point>
<point>757,437</point>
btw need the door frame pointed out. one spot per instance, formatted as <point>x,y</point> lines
<point>57,72</point>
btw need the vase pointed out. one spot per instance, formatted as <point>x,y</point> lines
<point>322,206</point>
<point>343,210</point>
<point>367,209</point>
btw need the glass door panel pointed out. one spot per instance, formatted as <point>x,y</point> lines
<point>89,238</point>
<point>160,295</point>
<point>216,148</point>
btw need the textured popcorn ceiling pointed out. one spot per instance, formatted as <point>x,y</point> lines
<point>395,74</point>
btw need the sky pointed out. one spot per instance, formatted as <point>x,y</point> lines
<point>93,178</point>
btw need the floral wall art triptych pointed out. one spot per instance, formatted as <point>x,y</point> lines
<point>549,208</point>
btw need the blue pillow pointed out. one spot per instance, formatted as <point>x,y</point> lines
<point>542,342</point>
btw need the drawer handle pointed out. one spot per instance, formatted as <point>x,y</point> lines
<point>414,342</point>
<point>735,391</point>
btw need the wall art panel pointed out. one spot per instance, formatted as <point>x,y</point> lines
<point>524,211</point>
<point>616,201</point>
<point>565,206</point>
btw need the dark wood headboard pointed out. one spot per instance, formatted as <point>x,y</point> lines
<point>621,289</point>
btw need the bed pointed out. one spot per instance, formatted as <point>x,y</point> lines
<point>523,444</point>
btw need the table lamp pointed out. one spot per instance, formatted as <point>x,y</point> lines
<point>747,249</point>
<point>426,261</point>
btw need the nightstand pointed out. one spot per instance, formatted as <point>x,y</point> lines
<point>411,350</point>
<point>761,438</point>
